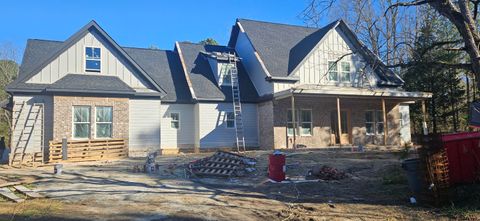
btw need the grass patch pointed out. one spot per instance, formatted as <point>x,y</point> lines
<point>464,202</point>
<point>393,176</point>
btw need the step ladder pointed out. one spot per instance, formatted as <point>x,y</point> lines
<point>237,105</point>
<point>19,146</point>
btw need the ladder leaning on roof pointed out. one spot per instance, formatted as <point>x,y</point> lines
<point>237,105</point>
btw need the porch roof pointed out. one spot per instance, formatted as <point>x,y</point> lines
<point>335,91</point>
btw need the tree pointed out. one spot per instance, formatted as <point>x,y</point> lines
<point>208,41</point>
<point>8,72</point>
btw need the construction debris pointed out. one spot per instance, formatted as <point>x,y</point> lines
<point>7,193</point>
<point>222,164</point>
<point>326,173</point>
<point>27,192</point>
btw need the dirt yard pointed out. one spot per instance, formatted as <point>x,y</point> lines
<point>374,189</point>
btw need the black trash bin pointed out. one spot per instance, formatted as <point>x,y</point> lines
<point>415,174</point>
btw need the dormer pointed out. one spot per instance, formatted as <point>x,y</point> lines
<point>221,64</point>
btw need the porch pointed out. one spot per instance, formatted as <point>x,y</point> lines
<point>334,116</point>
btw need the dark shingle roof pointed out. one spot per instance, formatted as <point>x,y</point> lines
<point>282,47</point>
<point>165,69</point>
<point>203,81</point>
<point>90,83</point>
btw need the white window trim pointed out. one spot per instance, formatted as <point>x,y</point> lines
<point>89,123</point>
<point>171,120</point>
<point>378,122</point>
<point>95,125</point>
<point>226,120</point>
<point>85,59</point>
<point>298,123</point>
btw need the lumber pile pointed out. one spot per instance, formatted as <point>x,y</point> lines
<point>222,164</point>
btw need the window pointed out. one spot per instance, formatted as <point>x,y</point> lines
<point>374,122</point>
<point>306,122</point>
<point>225,78</point>
<point>345,75</point>
<point>175,120</point>
<point>230,120</point>
<point>103,122</point>
<point>92,59</point>
<point>303,121</point>
<point>379,122</point>
<point>81,122</point>
<point>332,71</point>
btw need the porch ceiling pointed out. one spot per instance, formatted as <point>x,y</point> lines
<point>335,91</point>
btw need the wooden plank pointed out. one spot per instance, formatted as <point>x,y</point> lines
<point>10,195</point>
<point>28,192</point>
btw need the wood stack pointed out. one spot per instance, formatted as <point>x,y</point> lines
<point>223,164</point>
<point>89,150</point>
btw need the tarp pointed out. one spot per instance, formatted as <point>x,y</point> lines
<point>474,114</point>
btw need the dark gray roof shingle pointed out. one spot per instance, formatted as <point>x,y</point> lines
<point>90,83</point>
<point>203,81</point>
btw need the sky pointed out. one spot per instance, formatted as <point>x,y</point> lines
<point>139,23</point>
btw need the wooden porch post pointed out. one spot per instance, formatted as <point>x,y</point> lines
<point>385,127</point>
<point>294,123</point>
<point>424,123</point>
<point>339,118</point>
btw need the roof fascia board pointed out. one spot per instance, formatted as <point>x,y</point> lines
<point>316,45</point>
<point>185,71</point>
<point>262,64</point>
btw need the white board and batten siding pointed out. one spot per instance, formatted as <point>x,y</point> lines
<point>72,61</point>
<point>314,69</point>
<point>144,125</point>
<point>184,136</point>
<point>34,142</point>
<point>253,66</point>
<point>213,131</point>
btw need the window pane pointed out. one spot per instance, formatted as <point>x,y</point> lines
<point>345,67</point>
<point>369,116</point>
<point>104,130</point>
<point>92,65</point>
<point>96,53</point>
<point>289,116</point>
<point>332,66</point>
<point>81,114</point>
<point>306,129</point>
<point>230,123</point>
<point>290,129</point>
<point>81,130</point>
<point>104,114</point>
<point>369,127</point>
<point>379,128</point>
<point>332,76</point>
<point>230,116</point>
<point>174,116</point>
<point>89,52</point>
<point>306,116</point>
<point>379,116</point>
<point>174,124</point>
<point>346,76</point>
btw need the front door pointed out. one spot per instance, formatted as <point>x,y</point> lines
<point>336,136</point>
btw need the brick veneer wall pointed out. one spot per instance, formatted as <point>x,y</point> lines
<point>62,115</point>
<point>321,114</point>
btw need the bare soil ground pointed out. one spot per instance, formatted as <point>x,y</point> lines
<point>375,189</point>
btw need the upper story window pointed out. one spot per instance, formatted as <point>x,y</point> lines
<point>230,120</point>
<point>336,74</point>
<point>175,120</point>
<point>92,59</point>
<point>225,74</point>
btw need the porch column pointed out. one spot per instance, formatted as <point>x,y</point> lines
<point>385,127</point>
<point>294,123</point>
<point>339,116</point>
<point>424,123</point>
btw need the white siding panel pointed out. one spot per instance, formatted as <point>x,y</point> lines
<point>144,124</point>
<point>72,61</point>
<point>185,134</point>
<point>212,127</point>
<point>254,69</point>
<point>34,141</point>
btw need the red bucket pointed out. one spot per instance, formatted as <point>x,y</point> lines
<point>276,167</point>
